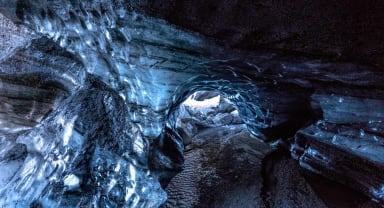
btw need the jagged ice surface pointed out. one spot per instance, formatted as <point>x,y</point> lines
<point>97,125</point>
<point>137,57</point>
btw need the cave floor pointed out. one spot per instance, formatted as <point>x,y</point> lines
<point>227,167</point>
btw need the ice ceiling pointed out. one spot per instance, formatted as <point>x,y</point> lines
<point>87,106</point>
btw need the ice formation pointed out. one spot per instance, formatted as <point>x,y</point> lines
<point>90,120</point>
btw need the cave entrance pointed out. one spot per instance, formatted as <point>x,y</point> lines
<point>205,110</point>
<point>225,166</point>
<point>222,159</point>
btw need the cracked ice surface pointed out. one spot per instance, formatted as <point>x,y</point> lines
<point>86,115</point>
<point>89,142</point>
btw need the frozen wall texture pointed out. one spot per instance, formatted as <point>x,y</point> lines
<point>90,94</point>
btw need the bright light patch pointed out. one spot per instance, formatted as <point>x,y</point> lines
<point>71,181</point>
<point>207,103</point>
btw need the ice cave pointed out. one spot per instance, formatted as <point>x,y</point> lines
<point>204,103</point>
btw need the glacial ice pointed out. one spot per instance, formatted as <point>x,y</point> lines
<point>89,121</point>
<point>91,145</point>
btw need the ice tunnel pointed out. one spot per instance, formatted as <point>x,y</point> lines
<point>95,104</point>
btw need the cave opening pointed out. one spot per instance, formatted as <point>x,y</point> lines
<point>226,166</point>
<point>218,151</point>
<point>203,110</point>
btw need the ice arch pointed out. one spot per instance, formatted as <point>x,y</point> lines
<point>137,68</point>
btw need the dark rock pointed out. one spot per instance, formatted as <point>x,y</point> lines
<point>319,151</point>
<point>342,30</point>
<point>226,167</point>
<point>166,156</point>
<point>337,195</point>
<point>347,144</point>
<point>284,185</point>
<point>213,161</point>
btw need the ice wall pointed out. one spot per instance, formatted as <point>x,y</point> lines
<point>102,81</point>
